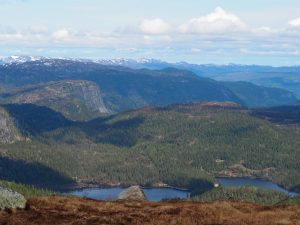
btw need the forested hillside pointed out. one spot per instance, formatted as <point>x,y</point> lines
<point>246,194</point>
<point>183,145</point>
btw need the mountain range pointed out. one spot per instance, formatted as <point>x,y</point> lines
<point>67,122</point>
<point>84,89</point>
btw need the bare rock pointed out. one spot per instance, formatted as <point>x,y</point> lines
<point>133,193</point>
<point>8,131</point>
<point>11,200</point>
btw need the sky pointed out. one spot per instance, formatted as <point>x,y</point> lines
<point>217,31</point>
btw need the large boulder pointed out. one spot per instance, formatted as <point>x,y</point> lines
<point>11,200</point>
<point>133,193</point>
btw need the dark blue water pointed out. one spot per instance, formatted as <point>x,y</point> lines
<point>153,194</point>
<point>158,194</point>
<point>235,182</point>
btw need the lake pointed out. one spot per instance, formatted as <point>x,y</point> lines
<point>158,194</point>
<point>153,194</point>
<point>235,182</point>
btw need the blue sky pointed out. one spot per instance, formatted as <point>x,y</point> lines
<point>215,31</point>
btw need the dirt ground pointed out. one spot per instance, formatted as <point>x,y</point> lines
<point>78,211</point>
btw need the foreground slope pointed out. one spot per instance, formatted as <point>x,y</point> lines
<point>62,211</point>
<point>183,145</point>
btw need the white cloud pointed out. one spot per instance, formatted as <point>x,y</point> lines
<point>38,29</point>
<point>154,27</point>
<point>264,31</point>
<point>219,21</point>
<point>295,22</point>
<point>157,39</point>
<point>61,35</point>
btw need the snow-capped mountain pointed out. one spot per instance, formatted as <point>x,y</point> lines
<point>20,59</point>
<point>139,63</point>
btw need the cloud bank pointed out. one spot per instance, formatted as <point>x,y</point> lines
<point>220,33</point>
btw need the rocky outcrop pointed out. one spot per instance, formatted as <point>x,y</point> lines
<point>10,199</point>
<point>8,131</point>
<point>133,193</point>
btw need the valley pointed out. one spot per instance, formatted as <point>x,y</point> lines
<point>149,112</point>
<point>184,145</point>
<point>91,130</point>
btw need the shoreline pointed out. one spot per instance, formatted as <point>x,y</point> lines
<point>83,185</point>
<point>107,186</point>
<point>289,190</point>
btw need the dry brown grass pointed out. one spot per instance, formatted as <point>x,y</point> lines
<point>78,211</point>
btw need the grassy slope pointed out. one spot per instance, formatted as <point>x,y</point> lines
<point>25,190</point>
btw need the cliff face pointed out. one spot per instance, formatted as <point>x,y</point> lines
<point>75,99</point>
<point>92,96</point>
<point>8,131</point>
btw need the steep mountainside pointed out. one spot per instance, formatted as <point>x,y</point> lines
<point>75,99</point>
<point>8,131</point>
<point>183,145</point>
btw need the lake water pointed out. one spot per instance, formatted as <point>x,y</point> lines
<point>235,182</point>
<point>153,194</point>
<point>158,194</point>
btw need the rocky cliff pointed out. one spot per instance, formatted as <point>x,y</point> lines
<point>75,99</point>
<point>8,131</point>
